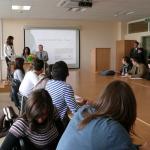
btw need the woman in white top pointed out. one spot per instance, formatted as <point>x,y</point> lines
<point>18,69</point>
<point>9,53</point>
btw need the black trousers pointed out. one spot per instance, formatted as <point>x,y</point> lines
<point>8,68</point>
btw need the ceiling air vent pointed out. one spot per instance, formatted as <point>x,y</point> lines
<point>136,27</point>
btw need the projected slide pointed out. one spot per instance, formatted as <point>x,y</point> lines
<point>61,44</point>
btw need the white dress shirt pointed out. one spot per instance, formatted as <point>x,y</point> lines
<point>9,52</point>
<point>29,81</point>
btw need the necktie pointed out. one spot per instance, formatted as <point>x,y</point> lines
<point>41,55</point>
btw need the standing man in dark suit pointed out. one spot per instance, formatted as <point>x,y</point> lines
<point>138,53</point>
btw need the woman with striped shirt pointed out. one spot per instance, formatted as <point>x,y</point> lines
<point>61,92</point>
<point>36,126</point>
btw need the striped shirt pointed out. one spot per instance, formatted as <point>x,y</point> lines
<point>62,96</point>
<point>41,139</point>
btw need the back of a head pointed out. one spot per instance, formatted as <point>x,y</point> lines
<point>38,101</point>
<point>19,64</point>
<point>60,71</point>
<point>38,64</point>
<point>118,102</point>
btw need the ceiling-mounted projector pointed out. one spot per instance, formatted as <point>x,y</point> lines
<point>85,3</point>
<point>74,3</point>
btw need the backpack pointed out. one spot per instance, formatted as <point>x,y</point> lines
<point>7,118</point>
<point>107,73</point>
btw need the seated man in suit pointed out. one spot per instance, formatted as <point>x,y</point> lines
<point>139,70</point>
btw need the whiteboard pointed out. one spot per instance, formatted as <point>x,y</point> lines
<point>61,44</point>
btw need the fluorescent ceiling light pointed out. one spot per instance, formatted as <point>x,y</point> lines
<point>26,7</point>
<point>17,7</point>
<point>123,12</point>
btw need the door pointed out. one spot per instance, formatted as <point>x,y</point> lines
<point>146,44</point>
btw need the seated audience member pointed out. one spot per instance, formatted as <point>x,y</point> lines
<point>139,70</point>
<point>106,125</point>
<point>37,125</point>
<point>26,53</point>
<point>31,78</point>
<point>18,69</point>
<point>126,65</point>
<point>42,83</point>
<point>62,93</point>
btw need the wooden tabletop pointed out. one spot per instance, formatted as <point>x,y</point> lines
<point>89,85</point>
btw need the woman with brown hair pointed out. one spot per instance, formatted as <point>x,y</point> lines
<point>19,71</point>
<point>106,125</point>
<point>37,125</point>
<point>26,53</point>
<point>9,53</point>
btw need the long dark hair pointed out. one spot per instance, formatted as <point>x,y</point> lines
<point>38,101</point>
<point>9,40</point>
<point>118,102</point>
<point>24,51</point>
<point>38,64</point>
<point>19,64</point>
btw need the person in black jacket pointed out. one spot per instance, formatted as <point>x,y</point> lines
<point>139,53</point>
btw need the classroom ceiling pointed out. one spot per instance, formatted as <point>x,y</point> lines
<point>102,10</point>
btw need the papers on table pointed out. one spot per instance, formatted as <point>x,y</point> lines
<point>77,98</point>
<point>136,78</point>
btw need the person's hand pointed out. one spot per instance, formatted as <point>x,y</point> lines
<point>128,75</point>
<point>145,146</point>
<point>81,101</point>
<point>41,76</point>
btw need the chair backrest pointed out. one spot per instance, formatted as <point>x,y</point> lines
<point>22,101</point>
<point>14,90</point>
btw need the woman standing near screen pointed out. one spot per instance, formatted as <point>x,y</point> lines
<point>9,52</point>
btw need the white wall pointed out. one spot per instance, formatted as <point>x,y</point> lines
<point>1,46</point>
<point>93,34</point>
